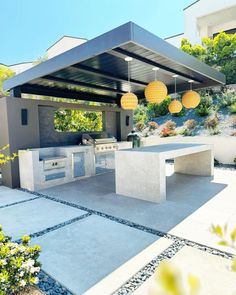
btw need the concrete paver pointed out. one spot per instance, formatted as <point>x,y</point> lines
<point>9,196</point>
<point>81,254</point>
<point>33,216</point>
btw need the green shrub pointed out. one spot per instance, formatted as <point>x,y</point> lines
<point>19,264</point>
<point>211,124</point>
<point>68,120</point>
<point>190,124</point>
<point>155,110</point>
<point>170,125</point>
<point>227,98</point>
<point>152,125</point>
<point>233,133</point>
<point>205,106</point>
<point>139,126</point>
<point>180,114</point>
<point>232,108</point>
<point>233,121</point>
<point>140,114</point>
<point>186,132</point>
<point>235,160</point>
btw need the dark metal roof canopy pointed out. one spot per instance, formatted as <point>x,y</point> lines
<point>97,70</point>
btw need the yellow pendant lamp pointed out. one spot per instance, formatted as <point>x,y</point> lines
<point>129,100</point>
<point>175,106</point>
<point>191,99</point>
<point>156,91</point>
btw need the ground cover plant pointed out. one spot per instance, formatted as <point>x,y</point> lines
<point>169,129</point>
<point>19,265</point>
<point>211,124</point>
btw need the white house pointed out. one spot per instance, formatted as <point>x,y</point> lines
<point>206,18</point>
<point>63,44</point>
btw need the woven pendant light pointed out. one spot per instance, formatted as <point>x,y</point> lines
<point>175,106</point>
<point>156,91</point>
<point>191,99</point>
<point>129,100</point>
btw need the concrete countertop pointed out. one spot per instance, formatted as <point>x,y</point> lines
<point>163,148</point>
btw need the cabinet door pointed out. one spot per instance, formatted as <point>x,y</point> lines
<point>104,162</point>
<point>78,164</point>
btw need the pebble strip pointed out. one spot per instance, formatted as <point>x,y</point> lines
<point>148,270</point>
<point>19,202</point>
<point>55,227</point>
<point>49,286</point>
<point>140,227</point>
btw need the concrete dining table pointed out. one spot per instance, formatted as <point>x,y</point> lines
<point>140,172</point>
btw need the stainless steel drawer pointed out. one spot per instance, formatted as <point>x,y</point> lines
<point>54,164</point>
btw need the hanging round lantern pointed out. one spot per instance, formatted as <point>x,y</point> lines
<point>155,92</point>
<point>175,106</point>
<point>191,99</point>
<point>129,101</point>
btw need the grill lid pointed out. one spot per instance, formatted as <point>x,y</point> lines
<point>97,138</point>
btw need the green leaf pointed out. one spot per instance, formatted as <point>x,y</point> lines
<point>223,243</point>
<point>217,230</point>
<point>233,265</point>
<point>233,235</point>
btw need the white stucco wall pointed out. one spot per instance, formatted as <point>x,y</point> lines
<point>19,68</point>
<point>205,18</point>
<point>175,40</point>
<point>194,30</point>
<point>64,44</point>
<point>224,147</point>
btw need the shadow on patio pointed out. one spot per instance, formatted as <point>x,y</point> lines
<point>185,194</point>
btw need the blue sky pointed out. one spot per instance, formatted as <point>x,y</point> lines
<point>29,27</point>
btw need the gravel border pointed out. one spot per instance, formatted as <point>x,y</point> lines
<point>150,230</point>
<point>20,202</point>
<point>147,271</point>
<point>55,227</point>
<point>49,286</point>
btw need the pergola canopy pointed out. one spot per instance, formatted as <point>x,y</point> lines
<point>97,70</point>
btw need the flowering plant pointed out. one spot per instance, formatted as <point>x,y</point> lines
<point>166,132</point>
<point>19,264</point>
<point>5,157</point>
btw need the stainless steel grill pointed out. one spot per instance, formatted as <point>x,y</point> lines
<point>102,142</point>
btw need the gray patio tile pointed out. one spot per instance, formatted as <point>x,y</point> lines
<point>185,194</point>
<point>34,216</point>
<point>9,196</point>
<point>81,254</point>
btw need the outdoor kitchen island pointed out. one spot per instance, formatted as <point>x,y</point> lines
<point>140,172</point>
<point>46,167</point>
<point>41,168</point>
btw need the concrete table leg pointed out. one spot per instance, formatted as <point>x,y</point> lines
<point>201,163</point>
<point>141,176</point>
